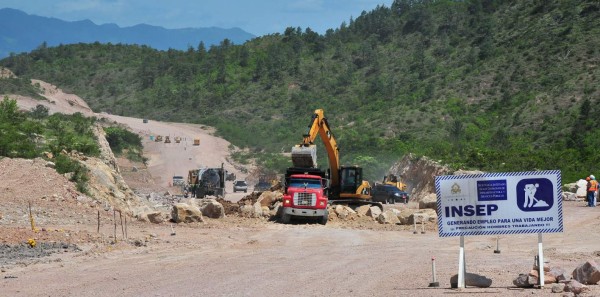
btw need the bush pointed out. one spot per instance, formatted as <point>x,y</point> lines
<point>64,164</point>
<point>124,142</point>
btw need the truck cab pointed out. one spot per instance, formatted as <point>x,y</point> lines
<point>305,195</point>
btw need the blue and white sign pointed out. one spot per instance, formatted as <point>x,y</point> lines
<point>499,203</point>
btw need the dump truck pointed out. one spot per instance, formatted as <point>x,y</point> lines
<point>196,141</point>
<point>177,139</point>
<point>342,184</point>
<point>204,182</point>
<point>158,138</point>
<point>305,194</point>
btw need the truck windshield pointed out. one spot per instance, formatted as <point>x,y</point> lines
<point>305,182</point>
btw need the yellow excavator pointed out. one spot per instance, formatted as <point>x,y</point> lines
<point>393,180</point>
<point>346,184</point>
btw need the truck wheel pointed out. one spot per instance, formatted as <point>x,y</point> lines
<point>285,218</point>
<point>323,220</point>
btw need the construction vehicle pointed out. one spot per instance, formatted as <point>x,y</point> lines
<point>340,184</point>
<point>391,179</point>
<point>204,182</point>
<point>196,141</point>
<point>305,194</point>
<point>158,138</point>
<point>177,139</point>
<point>167,139</point>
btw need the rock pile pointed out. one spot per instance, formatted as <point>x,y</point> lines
<point>587,273</point>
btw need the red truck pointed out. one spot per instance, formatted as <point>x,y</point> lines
<point>305,194</point>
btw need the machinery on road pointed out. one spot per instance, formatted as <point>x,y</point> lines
<point>338,185</point>
<point>393,180</point>
<point>207,182</point>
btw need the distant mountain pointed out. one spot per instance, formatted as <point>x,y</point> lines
<point>22,32</point>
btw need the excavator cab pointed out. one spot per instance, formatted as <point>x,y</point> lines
<point>352,184</point>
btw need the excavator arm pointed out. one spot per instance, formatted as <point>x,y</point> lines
<point>346,182</point>
<point>304,155</point>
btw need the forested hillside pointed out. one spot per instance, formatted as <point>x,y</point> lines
<point>493,85</point>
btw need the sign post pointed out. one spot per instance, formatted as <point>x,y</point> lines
<point>540,260</point>
<point>461,263</point>
<point>499,203</point>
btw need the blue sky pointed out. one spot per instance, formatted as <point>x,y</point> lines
<point>258,17</point>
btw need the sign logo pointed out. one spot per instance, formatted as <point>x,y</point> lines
<point>536,194</point>
<point>455,189</point>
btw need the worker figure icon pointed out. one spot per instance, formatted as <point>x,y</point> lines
<point>530,200</point>
<point>535,194</point>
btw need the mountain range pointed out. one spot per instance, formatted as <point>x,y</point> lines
<point>22,32</point>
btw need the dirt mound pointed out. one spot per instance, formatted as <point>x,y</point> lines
<point>418,173</point>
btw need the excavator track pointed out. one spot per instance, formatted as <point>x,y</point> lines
<point>355,203</point>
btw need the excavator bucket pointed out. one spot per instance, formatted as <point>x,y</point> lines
<point>304,156</point>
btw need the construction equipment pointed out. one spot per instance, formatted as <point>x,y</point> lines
<point>158,138</point>
<point>177,139</point>
<point>167,139</point>
<point>393,180</point>
<point>341,184</point>
<point>305,194</point>
<point>207,182</point>
<point>196,141</point>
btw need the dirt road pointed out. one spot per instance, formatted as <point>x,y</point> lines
<point>169,159</point>
<point>241,257</point>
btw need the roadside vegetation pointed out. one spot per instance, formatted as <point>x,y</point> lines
<point>32,134</point>
<point>125,143</point>
<point>494,85</point>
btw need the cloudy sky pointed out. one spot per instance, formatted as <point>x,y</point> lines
<point>258,17</point>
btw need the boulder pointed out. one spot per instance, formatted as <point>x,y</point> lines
<point>405,216</point>
<point>558,288</point>
<point>246,211</point>
<point>558,273</point>
<point>429,201</point>
<point>575,287</point>
<point>533,277</point>
<point>266,211</point>
<point>267,198</point>
<point>473,280</point>
<point>430,213</point>
<point>185,213</point>
<point>257,210</point>
<point>581,188</point>
<point>388,217</point>
<point>362,210</point>
<point>211,208</point>
<point>344,212</point>
<point>587,273</point>
<point>374,212</point>
<point>549,279</point>
<point>276,208</point>
<point>572,187</point>
<point>568,196</point>
<point>155,217</point>
<point>522,281</point>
